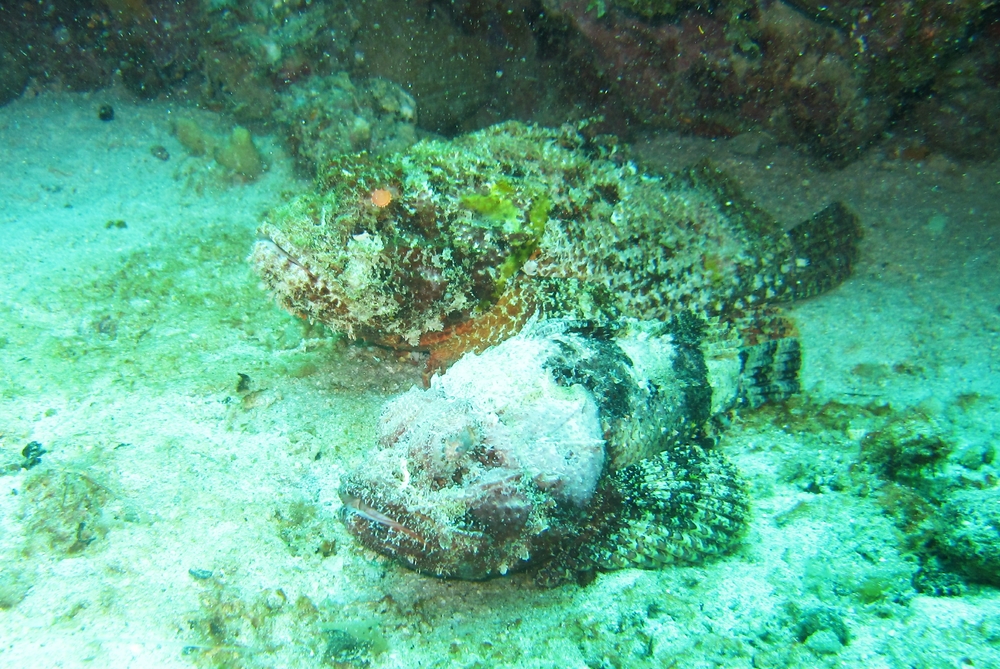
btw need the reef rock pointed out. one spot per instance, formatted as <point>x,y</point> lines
<point>828,77</point>
<point>328,116</point>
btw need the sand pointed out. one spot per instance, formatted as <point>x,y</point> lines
<point>184,511</point>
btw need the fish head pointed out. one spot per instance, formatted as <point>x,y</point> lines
<point>442,493</point>
<point>479,475</point>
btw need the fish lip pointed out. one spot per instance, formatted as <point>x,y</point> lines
<point>287,251</point>
<point>354,502</point>
<point>380,521</point>
<point>382,527</point>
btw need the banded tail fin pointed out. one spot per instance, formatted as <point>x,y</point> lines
<point>770,371</point>
<point>824,249</point>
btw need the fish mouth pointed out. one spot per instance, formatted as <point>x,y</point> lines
<point>273,249</point>
<point>356,511</point>
<point>381,519</point>
<point>423,536</point>
<point>296,283</point>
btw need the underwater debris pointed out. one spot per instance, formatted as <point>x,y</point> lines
<point>159,152</point>
<point>245,383</point>
<point>32,454</point>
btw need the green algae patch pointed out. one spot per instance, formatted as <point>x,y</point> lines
<point>492,207</point>
<point>538,215</point>
<point>499,207</point>
<point>510,267</point>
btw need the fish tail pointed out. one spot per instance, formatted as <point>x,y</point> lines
<point>824,250</point>
<point>770,371</point>
<point>680,507</point>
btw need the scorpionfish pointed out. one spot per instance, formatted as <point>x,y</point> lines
<point>590,323</point>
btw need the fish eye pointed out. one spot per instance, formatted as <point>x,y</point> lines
<point>461,443</point>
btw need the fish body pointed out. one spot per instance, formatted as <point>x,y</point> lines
<point>492,228</point>
<point>565,446</point>
<point>588,324</point>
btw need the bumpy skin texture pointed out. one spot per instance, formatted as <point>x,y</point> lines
<point>584,442</point>
<point>489,228</point>
<point>560,447</point>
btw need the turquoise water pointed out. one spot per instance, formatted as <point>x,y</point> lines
<point>184,510</point>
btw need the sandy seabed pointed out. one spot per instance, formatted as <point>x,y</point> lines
<point>184,510</point>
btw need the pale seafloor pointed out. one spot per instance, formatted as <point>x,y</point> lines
<point>184,515</point>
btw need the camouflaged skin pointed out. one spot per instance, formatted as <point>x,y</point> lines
<point>596,320</point>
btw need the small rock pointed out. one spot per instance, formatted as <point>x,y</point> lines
<point>824,642</point>
<point>969,538</point>
<point>749,144</point>
<point>822,619</point>
<point>32,453</point>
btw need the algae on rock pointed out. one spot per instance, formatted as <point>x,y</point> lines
<point>328,116</point>
<point>237,153</point>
